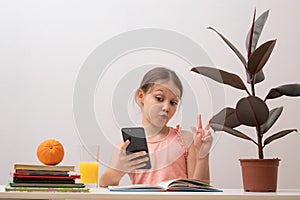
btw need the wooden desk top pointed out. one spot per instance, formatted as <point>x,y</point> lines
<point>104,194</point>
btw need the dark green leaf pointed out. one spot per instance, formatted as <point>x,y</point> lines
<point>260,56</point>
<point>273,116</point>
<point>218,127</point>
<point>251,35</point>
<point>258,27</point>
<point>221,76</point>
<point>232,47</point>
<point>252,111</point>
<point>292,90</point>
<point>226,117</point>
<point>278,135</point>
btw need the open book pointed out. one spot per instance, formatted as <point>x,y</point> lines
<point>181,185</point>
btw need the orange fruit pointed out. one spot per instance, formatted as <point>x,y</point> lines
<point>50,152</point>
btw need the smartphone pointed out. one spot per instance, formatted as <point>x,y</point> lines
<point>138,142</point>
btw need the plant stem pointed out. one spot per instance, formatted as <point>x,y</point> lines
<point>253,89</point>
<point>252,84</point>
<point>259,143</point>
<point>259,135</point>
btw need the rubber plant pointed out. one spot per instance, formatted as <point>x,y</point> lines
<point>250,110</point>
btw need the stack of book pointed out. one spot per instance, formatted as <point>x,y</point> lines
<point>28,177</point>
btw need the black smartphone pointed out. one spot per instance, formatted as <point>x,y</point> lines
<point>138,142</point>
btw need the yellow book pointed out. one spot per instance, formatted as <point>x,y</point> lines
<point>19,166</point>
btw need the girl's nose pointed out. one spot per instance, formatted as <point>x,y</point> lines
<point>165,107</point>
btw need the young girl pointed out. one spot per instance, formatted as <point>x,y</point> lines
<point>174,153</point>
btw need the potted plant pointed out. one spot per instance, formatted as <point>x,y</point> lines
<point>252,110</point>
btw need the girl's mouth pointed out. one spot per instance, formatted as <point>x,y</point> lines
<point>164,117</point>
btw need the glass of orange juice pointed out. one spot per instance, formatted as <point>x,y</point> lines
<point>89,165</point>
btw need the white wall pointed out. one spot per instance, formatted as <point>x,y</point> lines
<point>44,44</point>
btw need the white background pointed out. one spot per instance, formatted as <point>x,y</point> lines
<point>43,45</point>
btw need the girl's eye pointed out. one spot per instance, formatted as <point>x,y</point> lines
<point>173,103</point>
<point>159,98</point>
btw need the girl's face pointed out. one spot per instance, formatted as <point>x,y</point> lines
<point>159,103</point>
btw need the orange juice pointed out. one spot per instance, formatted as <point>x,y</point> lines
<point>88,172</point>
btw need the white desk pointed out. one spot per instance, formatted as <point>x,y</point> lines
<point>103,194</point>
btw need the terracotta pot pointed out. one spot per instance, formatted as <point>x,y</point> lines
<point>259,175</point>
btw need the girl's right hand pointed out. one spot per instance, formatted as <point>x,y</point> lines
<point>124,162</point>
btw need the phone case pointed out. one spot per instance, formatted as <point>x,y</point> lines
<point>138,142</point>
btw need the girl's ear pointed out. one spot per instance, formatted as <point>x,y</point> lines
<point>140,97</point>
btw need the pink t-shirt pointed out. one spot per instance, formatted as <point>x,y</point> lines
<point>168,160</point>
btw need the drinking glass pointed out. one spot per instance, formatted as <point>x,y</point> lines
<point>89,165</point>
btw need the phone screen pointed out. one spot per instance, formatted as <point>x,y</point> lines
<point>138,142</point>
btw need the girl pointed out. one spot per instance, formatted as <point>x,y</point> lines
<point>174,153</point>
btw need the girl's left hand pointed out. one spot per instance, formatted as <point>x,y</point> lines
<point>202,138</point>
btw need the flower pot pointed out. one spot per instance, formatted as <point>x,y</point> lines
<point>259,175</point>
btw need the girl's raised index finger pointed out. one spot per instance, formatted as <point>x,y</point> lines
<point>199,121</point>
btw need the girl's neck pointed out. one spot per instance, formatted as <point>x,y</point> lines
<point>155,133</point>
